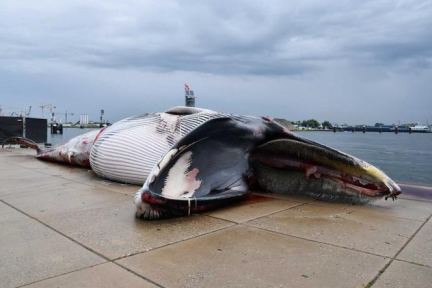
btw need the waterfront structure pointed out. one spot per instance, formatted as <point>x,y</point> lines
<point>385,128</point>
<point>32,128</point>
<point>84,119</point>
<point>50,107</point>
<point>189,96</point>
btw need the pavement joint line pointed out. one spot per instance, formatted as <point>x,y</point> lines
<point>116,259</point>
<point>93,185</point>
<point>414,263</point>
<point>343,209</point>
<point>388,216</point>
<point>271,213</point>
<point>55,276</point>
<point>370,284</point>
<point>273,196</point>
<point>315,241</point>
<point>276,198</point>
<point>380,272</point>
<point>178,242</point>
<point>284,234</point>
<point>85,169</point>
<point>306,203</point>
<point>218,218</point>
<point>76,242</point>
<point>139,275</point>
<point>383,215</point>
<point>249,225</point>
<point>275,212</point>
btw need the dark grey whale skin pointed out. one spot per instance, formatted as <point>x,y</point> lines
<point>221,150</point>
<point>223,174</point>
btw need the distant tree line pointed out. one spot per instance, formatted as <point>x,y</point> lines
<point>312,123</point>
<point>327,124</point>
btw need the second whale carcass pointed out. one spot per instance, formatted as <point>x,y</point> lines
<point>192,160</point>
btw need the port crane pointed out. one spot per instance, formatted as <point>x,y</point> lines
<point>23,112</point>
<point>66,115</point>
<point>50,106</point>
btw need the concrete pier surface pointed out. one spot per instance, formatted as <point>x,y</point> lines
<point>62,226</point>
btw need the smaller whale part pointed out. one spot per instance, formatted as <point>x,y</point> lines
<point>191,160</point>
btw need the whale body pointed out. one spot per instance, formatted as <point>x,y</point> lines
<point>190,160</point>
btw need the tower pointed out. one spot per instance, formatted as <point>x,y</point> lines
<point>189,96</point>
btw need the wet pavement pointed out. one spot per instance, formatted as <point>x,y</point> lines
<point>62,226</point>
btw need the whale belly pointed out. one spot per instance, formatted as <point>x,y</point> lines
<point>128,150</point>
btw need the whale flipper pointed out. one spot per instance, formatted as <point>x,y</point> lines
<point>207,167</point>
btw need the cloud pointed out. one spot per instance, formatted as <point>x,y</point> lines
<point>223,37</point>
<point>345,61</point>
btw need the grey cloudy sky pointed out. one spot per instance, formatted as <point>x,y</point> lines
<point>345,61</point>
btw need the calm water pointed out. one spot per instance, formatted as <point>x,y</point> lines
<point>68,133</point>
<point>405,158</point>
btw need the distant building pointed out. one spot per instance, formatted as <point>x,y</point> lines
<point>84,119</point>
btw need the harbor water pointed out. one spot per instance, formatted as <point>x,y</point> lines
<point>68,133</point>
<point>407,158</point>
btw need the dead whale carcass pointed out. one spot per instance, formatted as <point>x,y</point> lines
<point>191,160</point>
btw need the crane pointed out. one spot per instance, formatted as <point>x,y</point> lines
<point>50,106</point>
<point>66,115</point>
<point>23,112</point>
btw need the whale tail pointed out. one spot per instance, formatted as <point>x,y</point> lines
<point>23,141</point>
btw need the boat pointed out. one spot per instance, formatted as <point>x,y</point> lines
<point>420,128</point>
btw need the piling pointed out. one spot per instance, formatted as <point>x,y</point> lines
<point>56,128</point>
<point>364,129</point>
<point>396,129</point>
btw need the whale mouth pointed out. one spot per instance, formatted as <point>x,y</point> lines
<point>300,166</point>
